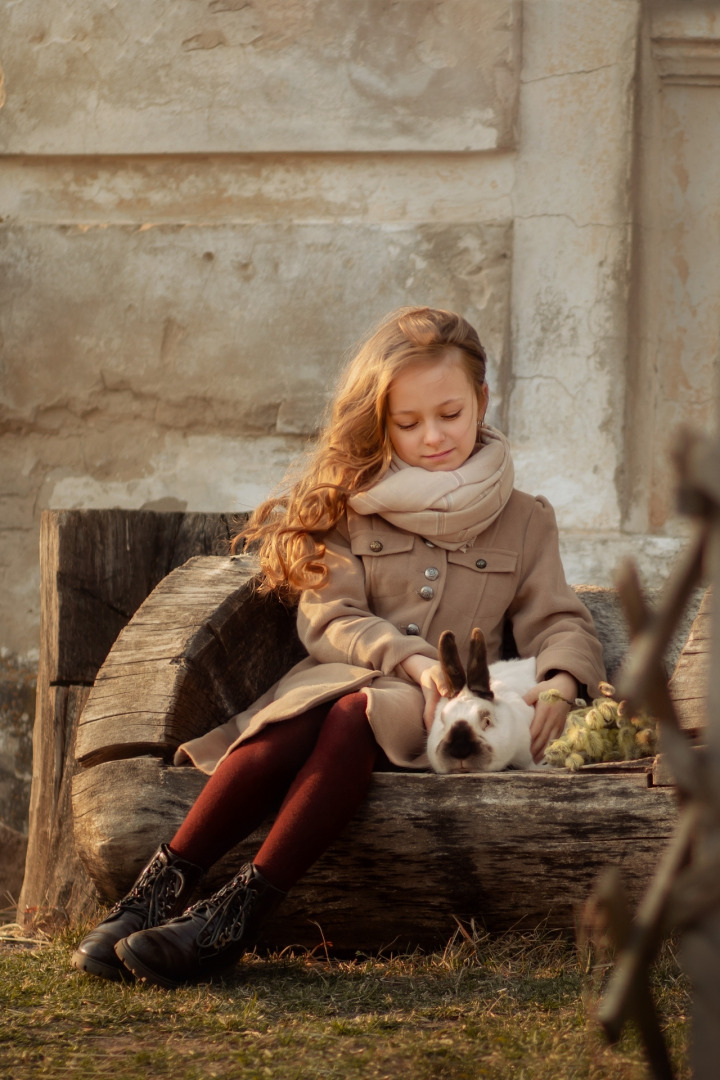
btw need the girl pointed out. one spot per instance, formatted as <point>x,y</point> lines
<point>404,523</point>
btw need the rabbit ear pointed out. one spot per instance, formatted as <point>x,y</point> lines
<point>478,675</point>
<point>450,662</point>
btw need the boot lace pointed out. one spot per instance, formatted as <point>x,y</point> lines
<point>228,912</point>
<point>158,887</point>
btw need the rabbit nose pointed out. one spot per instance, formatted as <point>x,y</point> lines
<point>461,741</point>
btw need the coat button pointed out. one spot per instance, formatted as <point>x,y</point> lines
<point>429,543</point>
<point>413,629</point>
<point>376,545</point>
<point>481,564</point>
<point>432,573</point>
<point>427,593</point>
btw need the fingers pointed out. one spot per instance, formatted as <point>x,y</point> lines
<point>532,695</point>
<point>434,687</point>
<point>547,724</point>
<point>429,713</point>
<point>432,697</point>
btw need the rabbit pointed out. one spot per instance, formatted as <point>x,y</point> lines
<point>484,726</point>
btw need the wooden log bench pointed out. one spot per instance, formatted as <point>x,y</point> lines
<point>504,850</point>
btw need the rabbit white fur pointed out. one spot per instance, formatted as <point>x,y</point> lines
<point>485,725</point>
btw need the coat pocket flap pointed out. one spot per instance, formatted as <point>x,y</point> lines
<point>372,543</point>
<point>486,560</point>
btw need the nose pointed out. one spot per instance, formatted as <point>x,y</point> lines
<point>461,741</point>
<point>433,434</point>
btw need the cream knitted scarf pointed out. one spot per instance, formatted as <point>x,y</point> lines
<point>449,508</point>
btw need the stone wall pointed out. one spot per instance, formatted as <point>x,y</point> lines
<point>204,204</point>
<point>203,211</point>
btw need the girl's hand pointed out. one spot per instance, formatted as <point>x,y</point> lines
<point>550,716</point>
<point>428,675</point>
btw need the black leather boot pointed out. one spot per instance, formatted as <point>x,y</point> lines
<point>161,891</point>
<point>208,938</point>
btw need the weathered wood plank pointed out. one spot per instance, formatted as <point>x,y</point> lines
<point>504,849</point>
<point>690,680</point>
<point>148,711</point>
<point>56,886</point>
<point>231,646</point>
<point>97,566</point>
<point>606,609</point>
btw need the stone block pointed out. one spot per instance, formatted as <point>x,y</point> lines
<point>205,329</point>
<point>238,76</point>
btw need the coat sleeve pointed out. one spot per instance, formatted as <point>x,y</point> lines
<point>336,624</point>
<point>549,621</point>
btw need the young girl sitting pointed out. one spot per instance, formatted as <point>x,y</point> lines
<point>404,523</point>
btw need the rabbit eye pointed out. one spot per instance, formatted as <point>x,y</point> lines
<point>485,719</point>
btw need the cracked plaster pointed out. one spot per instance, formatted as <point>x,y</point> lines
<point>275,75</point>
<point>195,297</point>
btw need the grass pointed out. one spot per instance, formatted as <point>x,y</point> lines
<point>516,1005</point>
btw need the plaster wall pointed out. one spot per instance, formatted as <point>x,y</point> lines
<point>571,214</point>
<point>675,311</point>
<point>204,211</point>
<point>205,204</point>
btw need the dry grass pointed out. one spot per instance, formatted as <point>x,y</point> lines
<point>516,1005</point>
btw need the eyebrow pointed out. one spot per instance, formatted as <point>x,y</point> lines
<point>442,405</point>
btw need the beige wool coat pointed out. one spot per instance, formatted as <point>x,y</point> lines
<point>390,594</point>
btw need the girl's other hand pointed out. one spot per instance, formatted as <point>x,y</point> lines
<point>428,675</point>
<point>550,716</point>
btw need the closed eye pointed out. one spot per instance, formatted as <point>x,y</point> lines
<point>443,416</point>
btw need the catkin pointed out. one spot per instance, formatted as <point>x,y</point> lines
<point>606,730</point>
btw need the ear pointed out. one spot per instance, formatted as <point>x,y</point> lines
<point>478,676</point>
<point>483,401</point>
<point>450,662</point>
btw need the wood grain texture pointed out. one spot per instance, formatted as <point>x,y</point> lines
<point>505,849</point>
<point>204,646</point>
<point>605,606</point>
<point>56,887</point>
<point>691,678</point>
<point>96,566</point>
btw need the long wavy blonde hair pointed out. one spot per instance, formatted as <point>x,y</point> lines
<point>353,450</point>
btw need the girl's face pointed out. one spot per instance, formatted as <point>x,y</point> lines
<point>433,414</point>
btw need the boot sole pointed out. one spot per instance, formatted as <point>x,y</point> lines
<point>136,967</point>
<point>90,966</point>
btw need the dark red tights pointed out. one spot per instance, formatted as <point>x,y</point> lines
<point>321,762</point>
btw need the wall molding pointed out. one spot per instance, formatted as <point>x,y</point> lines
<point>687,61</point>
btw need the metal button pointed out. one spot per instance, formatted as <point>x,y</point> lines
<point>413,629</point>
<point>432,573</point>
<point>427,592</point>
<point>429,543</point>
<point>481,564</point>
<point>376,545</point>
